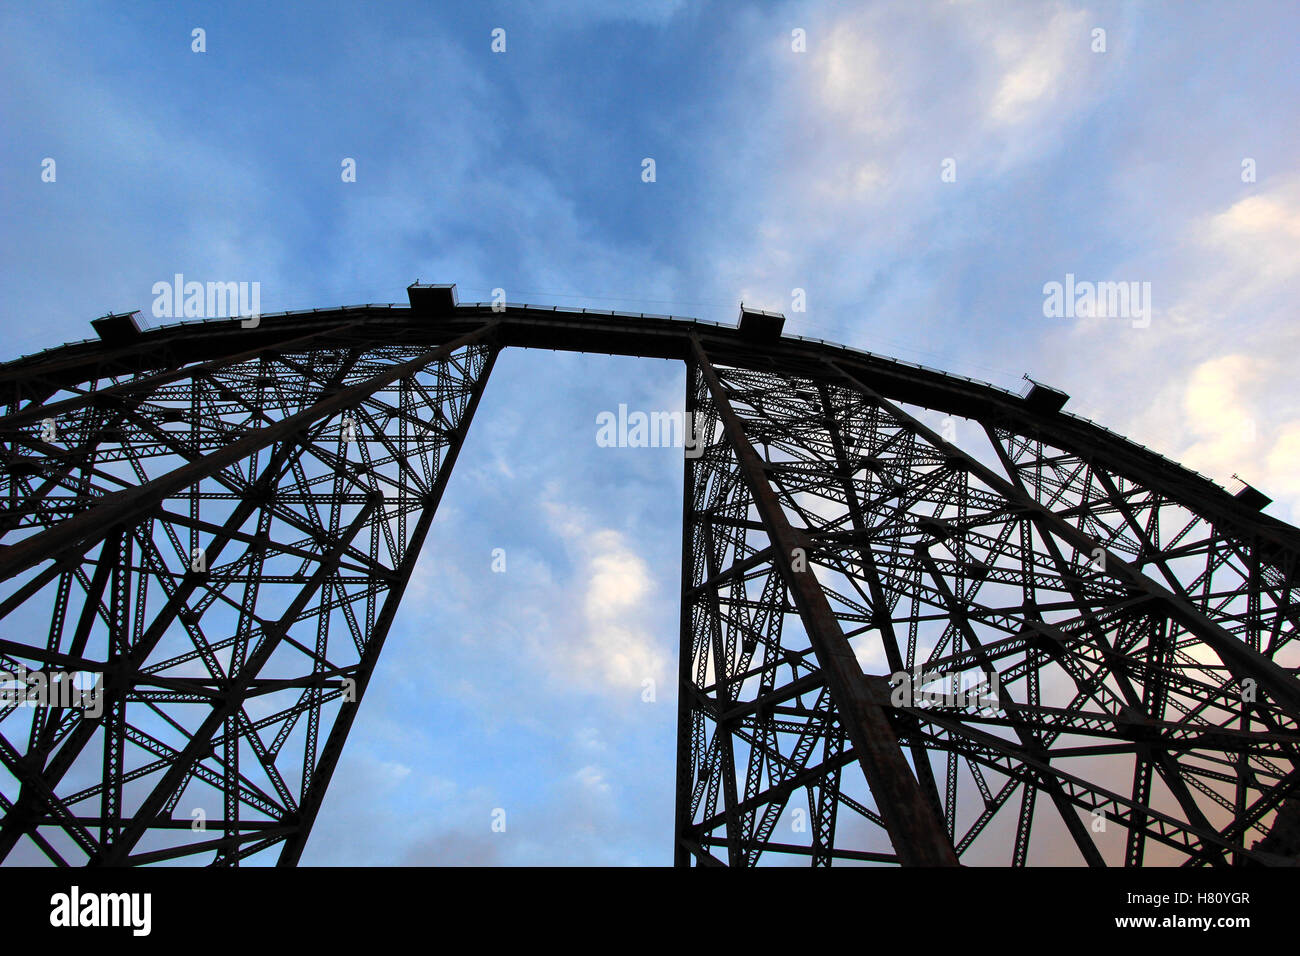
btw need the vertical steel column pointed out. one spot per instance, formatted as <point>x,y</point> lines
<point>685,768</point>
<point>919,835</point>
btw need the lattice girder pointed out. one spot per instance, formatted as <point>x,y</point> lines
<point>1114,699</point>
<point>222,521</point>
<point>244,532</point>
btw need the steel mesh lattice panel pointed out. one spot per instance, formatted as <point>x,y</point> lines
<point>247,530</point>
<point>1124,731</point>
<point>222,521</point>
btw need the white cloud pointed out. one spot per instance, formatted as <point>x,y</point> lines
<point>1218,414</point>
<point>613,649</point>
<point>1034,61</point>
<point>1257,241</point>
<point>593,780</point>
<point>853,77</point>
<point>1283,462</point>
<point>1211,382</point>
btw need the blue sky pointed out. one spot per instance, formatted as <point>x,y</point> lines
<point>775,170</point>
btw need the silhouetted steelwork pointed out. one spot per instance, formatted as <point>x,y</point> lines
<point>222,520</point>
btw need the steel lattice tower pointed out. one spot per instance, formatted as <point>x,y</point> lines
<point>221,520</point>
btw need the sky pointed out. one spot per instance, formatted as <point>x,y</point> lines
<point>920,171</point>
